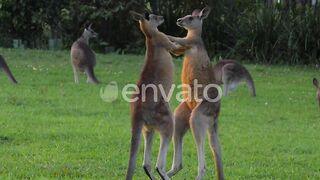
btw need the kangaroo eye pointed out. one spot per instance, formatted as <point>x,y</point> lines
<point>190,18</point>
<point>146,16</point>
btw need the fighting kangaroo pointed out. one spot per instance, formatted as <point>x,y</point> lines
<point>230,73</point>
<point>317,85</point>
<point>199,113</point>
<point>6,70</point>
<point>83,58</point>
<point>149,114</point>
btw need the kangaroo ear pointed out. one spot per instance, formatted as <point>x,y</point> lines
<point>89,27</point>
<point>196,12</point>
<point>147,12</point>
<point>136,16</point>
<point>316,82</point>
<point>146,15</point>
<point>204,13</point>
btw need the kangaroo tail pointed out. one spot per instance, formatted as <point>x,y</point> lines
<point>250,84</point>
<point>316,82</point>
<point>91,77</point>
<point>6,70</point>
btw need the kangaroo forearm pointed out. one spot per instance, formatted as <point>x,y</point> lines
<point>179,50</point>
<point>181,41</point>
<point>172,38</point>
<point>176,49</point>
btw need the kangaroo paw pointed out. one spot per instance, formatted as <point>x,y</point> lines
<point>147,170</point>
<point>163,175</point>
<point>174,171</point>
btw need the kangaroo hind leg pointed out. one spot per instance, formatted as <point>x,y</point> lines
<point>199,125</point>
<point>135,141</point>
<point>166,131</point>
<point>215,147</point>
<point>181,125</point>
<point>75,74</point>
<point>148,136</point>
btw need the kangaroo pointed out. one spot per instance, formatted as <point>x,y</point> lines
<point>83,58</point>
<point>230,73</point>
<point>200,116</point>
<point>317,85</point>
<point>149,114</point>
<point>6,70</point>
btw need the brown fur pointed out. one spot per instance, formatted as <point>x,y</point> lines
<point>151,115</point>
<point>231,73</point>
<point>201,117</point>
<point>6,70</point>
<point>317,85</point>
<point>83,58</point>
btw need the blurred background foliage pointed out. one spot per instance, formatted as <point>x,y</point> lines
<point>258,31</point>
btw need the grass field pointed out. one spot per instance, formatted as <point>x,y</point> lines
<point>53,128</point>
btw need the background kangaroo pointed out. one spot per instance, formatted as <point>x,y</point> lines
<point>150,115</point>
<point>83,58</point>
<point>230,73</point>
<point>201,116</point>
<point>6,70</point>
<point>317,85</point>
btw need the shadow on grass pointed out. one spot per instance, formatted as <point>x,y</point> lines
<point>5,139</point>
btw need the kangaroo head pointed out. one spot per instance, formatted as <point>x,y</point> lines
<point>195,20</point>
<point>89,32</point>
<point>148,22</point>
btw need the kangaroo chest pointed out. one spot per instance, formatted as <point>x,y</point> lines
<point>195,77</point>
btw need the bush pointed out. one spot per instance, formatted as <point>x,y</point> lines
<point>240,29</point>
<point>272,35</point>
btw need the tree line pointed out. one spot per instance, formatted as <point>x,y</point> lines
<point>259,31</point>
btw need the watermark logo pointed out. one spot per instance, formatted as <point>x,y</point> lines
<point>110,92</point>
<point>156,92</point>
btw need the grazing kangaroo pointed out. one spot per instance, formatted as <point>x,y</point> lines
<point>6,70</point>
<point>317,85</point>
<point>83,58</point>
<point>200,116</point>
<point>230,73</point>
<point>149,115</point>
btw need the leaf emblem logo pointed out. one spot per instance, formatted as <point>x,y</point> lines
<point>110,92</point>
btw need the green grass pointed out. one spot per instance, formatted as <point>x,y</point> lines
<point>53,128</point>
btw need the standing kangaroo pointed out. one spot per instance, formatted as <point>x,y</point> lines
<point>147,113</point>
<point>230,73</point>
<point>83,58</point>
<point>5,68</point>
<point>201,116</point>
<point>317,85</point>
